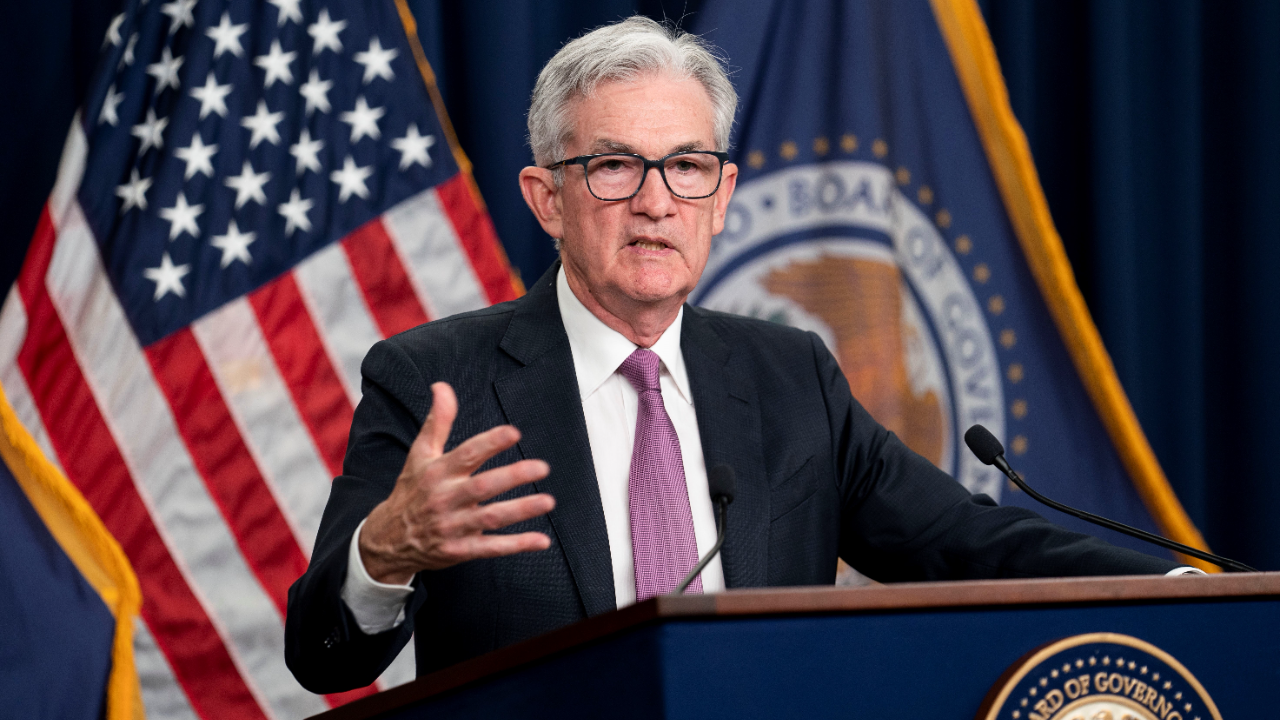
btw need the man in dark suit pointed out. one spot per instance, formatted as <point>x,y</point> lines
<point>452,525</point>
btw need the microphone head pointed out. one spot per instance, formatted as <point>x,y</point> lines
<point>983,444</point>
<point>720,482</point>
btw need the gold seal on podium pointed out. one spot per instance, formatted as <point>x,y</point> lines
<point>1098,676</point>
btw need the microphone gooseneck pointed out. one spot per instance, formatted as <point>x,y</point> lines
<point>720,483</point>
<point>988,449</point>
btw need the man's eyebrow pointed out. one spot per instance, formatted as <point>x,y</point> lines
<point>612,146</point>
<point>688,147</point>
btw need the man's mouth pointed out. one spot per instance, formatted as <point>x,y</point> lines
<point>649,244</point>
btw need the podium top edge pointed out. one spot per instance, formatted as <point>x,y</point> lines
<point>969,593</point>
<point>900,597</point>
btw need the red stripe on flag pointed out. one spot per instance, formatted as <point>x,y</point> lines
<point>477,236</point>
<point>228,469</point>
<point>381,276</point>
<point>39,255</point>
<point>342,698</point>
<point>84,444</point>
<point>305,366</point>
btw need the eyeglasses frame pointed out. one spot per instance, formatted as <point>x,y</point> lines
<point>582,160</point>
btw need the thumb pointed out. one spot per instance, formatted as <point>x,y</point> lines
<point>429,444</point>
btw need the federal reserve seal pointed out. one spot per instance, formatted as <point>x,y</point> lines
<point>1098,676</point>
<point>838,249</point>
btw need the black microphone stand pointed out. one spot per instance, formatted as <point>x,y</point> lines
<point>1228,564</point>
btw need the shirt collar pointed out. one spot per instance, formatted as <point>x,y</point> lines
<point>598,349</point>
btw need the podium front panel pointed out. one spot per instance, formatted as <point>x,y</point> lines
<point>887,663</point>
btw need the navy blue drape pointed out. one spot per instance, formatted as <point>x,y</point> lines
<point>48,51</point>
<point>1153,124</point>
<point>1154,127</point>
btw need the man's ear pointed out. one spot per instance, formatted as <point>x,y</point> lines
<point>728,181</point>
<point>538,186</point>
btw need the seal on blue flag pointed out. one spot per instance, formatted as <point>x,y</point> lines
<point>838,249</point>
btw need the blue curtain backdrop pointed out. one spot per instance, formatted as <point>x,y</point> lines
<point>1154,127</point>
<point>1153,124</point>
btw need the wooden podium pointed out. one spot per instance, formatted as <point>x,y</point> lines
<point>928,650</point>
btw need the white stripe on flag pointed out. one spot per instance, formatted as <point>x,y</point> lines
<point>13,331</point>
<point>70,171</point>
<point>144,429</point>
<point>259,401</point>
<point>162,697</point>
<point>429,247</point>
<point>338,308</point>
<point>401,670</point>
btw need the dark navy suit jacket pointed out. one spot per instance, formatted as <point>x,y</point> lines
<point>817,477</point>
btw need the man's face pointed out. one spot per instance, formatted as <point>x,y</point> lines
<point>653,247</point>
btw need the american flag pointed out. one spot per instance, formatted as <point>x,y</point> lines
<point>253,194</point>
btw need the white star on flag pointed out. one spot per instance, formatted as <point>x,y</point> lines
<point>376,61</point>
<point>127,57</point>
<point>263,125</point>
<point>363,120</point>
<point>226,37</point>
<point>212,96</point>
<point>295,213</point>
<point>316,92</point>
<point>110,106</point>
<point>180,11</point>
<point>234,245</point>
<point>113,31</point>
<point>166,71</point>
<point>134,192</point>
<point>276,63</point>
<point>198,157</point>
<point>167,277</point>
<point>306,152</point>
<point>289,10</point>
<point>350,180</point>
<point>182,217</point>
<point>413,147</point>
<point>325,32</point>
<point>150,131</point>
<point>248,185</point>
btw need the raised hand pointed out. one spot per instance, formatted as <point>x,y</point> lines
<point>433,518</point>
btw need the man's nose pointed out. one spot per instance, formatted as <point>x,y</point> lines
<point>654,199</point>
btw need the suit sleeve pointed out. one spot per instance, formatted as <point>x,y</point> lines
<point>324,646</point>
<point>903,519</point>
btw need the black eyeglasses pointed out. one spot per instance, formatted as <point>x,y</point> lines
<point>619,176</point>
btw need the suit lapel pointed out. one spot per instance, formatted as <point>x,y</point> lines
<point>728,410</point>
<point>541,399</point>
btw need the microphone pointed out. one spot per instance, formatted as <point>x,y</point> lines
<point>720,482</point>
<point>989,450</point>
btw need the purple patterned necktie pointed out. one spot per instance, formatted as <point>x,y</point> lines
<point>661,521</point>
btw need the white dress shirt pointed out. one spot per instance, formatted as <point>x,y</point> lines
<point>610,405</point>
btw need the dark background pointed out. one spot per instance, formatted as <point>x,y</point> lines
<point>1155,125</point>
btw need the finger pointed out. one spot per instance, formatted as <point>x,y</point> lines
<point>476,547</point>
<point>496,516</point>
<point>492,483</point>
<point>473,452</point>
<point>435,429</point>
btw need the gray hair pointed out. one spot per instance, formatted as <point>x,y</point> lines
<point>623,51</point>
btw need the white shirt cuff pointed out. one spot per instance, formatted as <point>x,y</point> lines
<point>377,606</point>
<point>1185,570</point>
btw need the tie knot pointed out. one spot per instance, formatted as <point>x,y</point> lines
<point>641,369</point>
